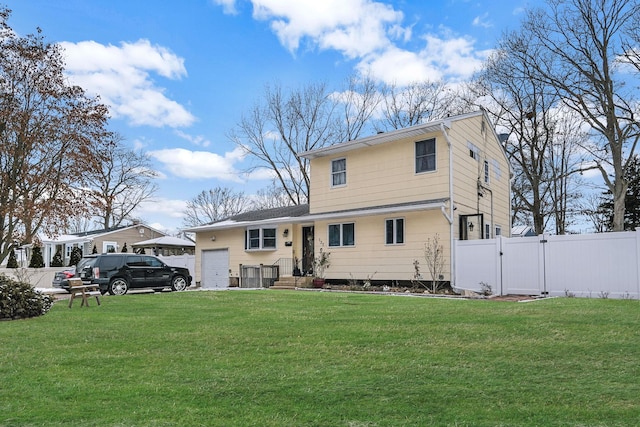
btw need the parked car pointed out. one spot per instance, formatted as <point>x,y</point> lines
<point>60,278</point>
<point>117,273</point>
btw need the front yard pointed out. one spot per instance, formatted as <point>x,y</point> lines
<point>288,358</point>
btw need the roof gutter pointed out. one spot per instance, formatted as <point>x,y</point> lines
<point>382,210</point>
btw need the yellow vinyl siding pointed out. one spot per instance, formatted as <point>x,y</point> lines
<point>379,175</point>
<point>372,257</point>
<point>233,241</point>
<point>467,172</point>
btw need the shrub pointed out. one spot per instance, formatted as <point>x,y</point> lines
<point>36,258</point>
<point>57,259</point>
<point>76,256</point>
<point>18,300</point>
<point>12,262</point>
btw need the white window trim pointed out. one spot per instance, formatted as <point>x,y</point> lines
<point>105,246</point>
<point>342,245</point>
<point>335,173</point>
<point>404,229</point>
<point>261,237</point>
<point>497,230</point>
<point>474,151</point>
<point>435,156</point>
<point>487,172</point>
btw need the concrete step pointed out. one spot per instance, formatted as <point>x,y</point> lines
<point>290,282</point>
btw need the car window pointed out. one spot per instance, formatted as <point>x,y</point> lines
<point>86,263</point>
<point>110,262</point>
<point>153,262</point>
<point>136,261</point>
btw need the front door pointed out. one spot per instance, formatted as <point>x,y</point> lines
<point>307,250</point>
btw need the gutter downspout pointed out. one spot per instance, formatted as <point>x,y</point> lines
<point>449,217</point>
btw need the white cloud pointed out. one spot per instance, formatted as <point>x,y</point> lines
<point>200,164</point>
<point>229,6</point>
<point>122,76</point>
<point>372,33</point>
<point>353,27</point>
<point>198,140</point>
<point>482,21</point>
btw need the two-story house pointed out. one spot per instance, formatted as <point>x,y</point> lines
<point>374,204</point>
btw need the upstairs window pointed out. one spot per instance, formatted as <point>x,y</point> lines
<point>426,155</point>
<point>394,231</point>
<point>486,172</point>
<point>474,151</point>
<point>342,234</point>
<point>338,172</point>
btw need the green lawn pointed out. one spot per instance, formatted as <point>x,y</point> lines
<point>287,358</point>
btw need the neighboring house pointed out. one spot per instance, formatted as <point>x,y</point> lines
<point>374,203</point>
<point>106,240</point>
<point>166,246</point>
<point>522,231</point>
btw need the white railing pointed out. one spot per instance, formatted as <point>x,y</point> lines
<point>605,265</point>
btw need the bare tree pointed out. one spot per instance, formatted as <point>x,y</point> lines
<point>283,125</point>
<point>543,138</point>
<point>213,205</point>
<point>418,102</point>
<point>286,123</point>
<point>271,197</point>
<point>591,207</point>
<point>358,102</point>
<point>434,257</point>
<point>47,131</point>
<point>575,48</point>
<point>120,183</point>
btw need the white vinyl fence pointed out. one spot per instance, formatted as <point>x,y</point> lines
<point>185,260</point>
<point>605,265</point>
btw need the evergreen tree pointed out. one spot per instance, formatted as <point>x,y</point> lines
<point>36,258</point>
<point>95,250</point>
<point>12,262</point>
<point>57,259</point>
<point>76,256</point>
<point>632,198</point>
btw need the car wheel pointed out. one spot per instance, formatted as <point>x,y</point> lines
<point>118,287</point>
<point>178,283</point>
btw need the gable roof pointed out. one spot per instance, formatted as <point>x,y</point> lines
<point>263,216</point>
<point>381,138</point>
<point>165,241</point>
<point>88,236</point>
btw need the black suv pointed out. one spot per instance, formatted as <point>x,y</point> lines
<point>116,273</point>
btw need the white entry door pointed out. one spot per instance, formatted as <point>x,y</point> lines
<point>215,269</point>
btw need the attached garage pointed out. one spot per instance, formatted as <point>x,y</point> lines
<point>215,269</point>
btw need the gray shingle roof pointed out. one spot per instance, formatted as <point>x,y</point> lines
<point>264,214</point>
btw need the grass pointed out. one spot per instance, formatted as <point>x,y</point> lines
<point>279,358</point>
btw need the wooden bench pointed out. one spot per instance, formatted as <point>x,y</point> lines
<point>79,289</point>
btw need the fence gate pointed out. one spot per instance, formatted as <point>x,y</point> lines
<point>605,265</point>
<point>258,276</point>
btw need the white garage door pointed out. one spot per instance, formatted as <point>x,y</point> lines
<point>215,269</point>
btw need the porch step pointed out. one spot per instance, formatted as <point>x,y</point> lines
<point>291,282</point>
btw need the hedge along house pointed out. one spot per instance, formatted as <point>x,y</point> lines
<point>374,204</point>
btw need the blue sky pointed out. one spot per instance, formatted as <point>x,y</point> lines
<point>177,76</point>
